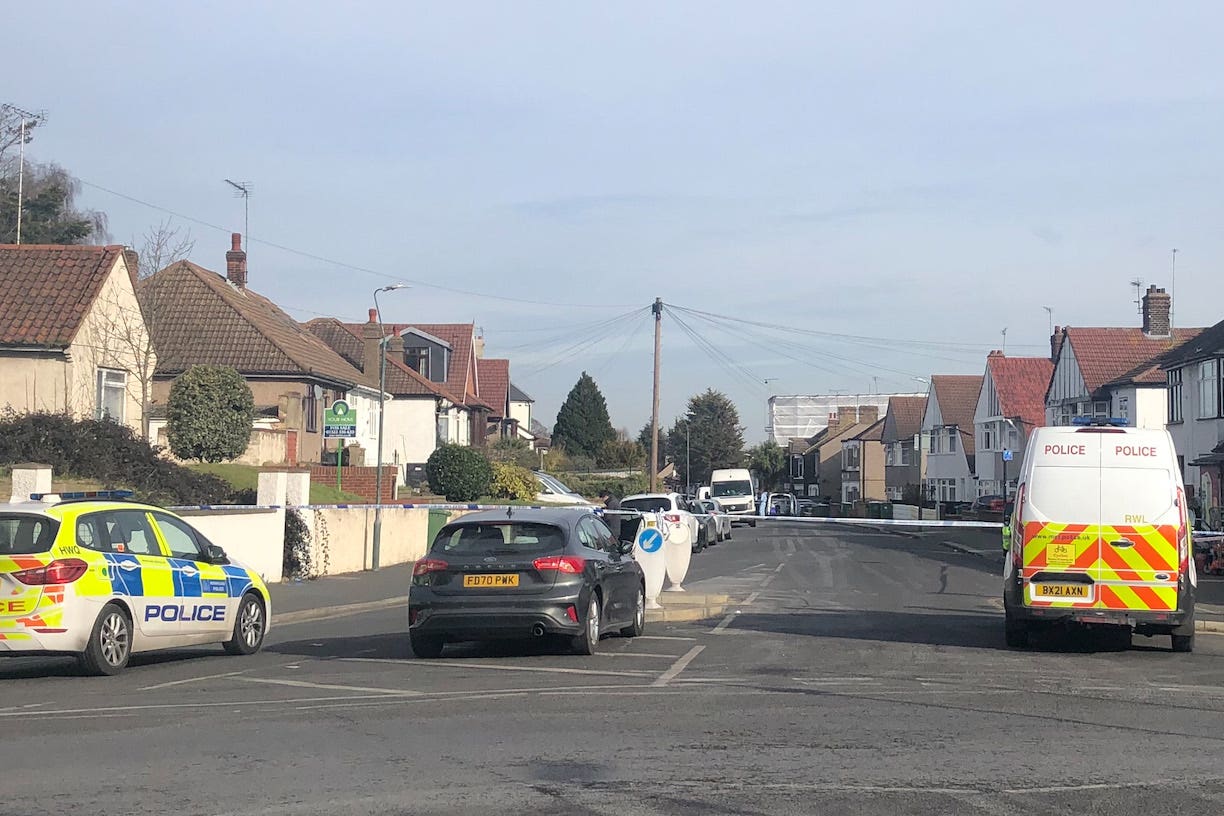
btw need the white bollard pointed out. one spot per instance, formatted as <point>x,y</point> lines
<point>648,552</point>
<point>678,552</point>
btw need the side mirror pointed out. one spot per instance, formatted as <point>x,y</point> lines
<point>624,547</point>
<point>216,555</point>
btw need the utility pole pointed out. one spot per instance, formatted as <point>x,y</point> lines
<point>657,310</point>
<point>28,120</point>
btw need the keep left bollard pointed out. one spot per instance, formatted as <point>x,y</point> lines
<point>678,551</point>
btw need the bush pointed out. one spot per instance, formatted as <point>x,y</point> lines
<point>459,473</point>
<point>297,560</point>
<point>513,482</point>
<point>108,453</point>
<point>209,414</point>
<point>591,485</point>
<point>513,450</point>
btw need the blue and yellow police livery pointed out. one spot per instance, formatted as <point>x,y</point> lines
<point>102,578</point>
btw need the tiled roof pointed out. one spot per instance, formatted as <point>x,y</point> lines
<point>461,377</point>
<point>907,414</point>
<point>873,432</point>
<point>197,317</point>
<point>1021,384</point>
<point>48,290</point>
<point>494,377</point>
<point>1210,342</point>
<point>1121,355</point>
<point>957,395</point>
<point>519,395</point>
<point>399,378</point>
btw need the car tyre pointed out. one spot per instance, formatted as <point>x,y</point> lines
<point>250,626</point>
<point>639,616</point>
<point>427,647</point>
<point>1183,643</point>
<point>110,642</point>
<point>588,642</point>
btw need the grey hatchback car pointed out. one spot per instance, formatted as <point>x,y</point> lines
<point>526,572</point>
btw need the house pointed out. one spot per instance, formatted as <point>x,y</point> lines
<point>1194,373</point>
<point>947,425</point>
<point>797,461</point>
<point>415,407</point>
<point>821,466</point>
<point>901,435</point>
<point>862,465</point>
<point>493,380</point>
<point>1114,372</point>
<point>199,317</point>
<point>72,336</point>
<point>1011,404</point>
<point>521,407</point>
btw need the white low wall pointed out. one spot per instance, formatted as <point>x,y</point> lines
<point>343,537</point>
<point>256,537</point>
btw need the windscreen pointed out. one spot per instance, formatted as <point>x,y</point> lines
<point>648,504</point>
<point>721,489</point>
<point>502,538</point>
<point>26,535</point>
<point>1069,495</point>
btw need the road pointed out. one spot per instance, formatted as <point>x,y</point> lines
<point>864,673</point>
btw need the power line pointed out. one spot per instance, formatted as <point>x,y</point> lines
<point>720,357</point>
<point>365,270</point>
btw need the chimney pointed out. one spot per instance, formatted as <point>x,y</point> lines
<point>478,344</point>
<point>1156,307</point>
<point>1056,343</point>
<point>235,262</point>
<point>371,336</point>
<point>868,414</point>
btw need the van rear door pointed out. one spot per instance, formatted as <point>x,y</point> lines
<point>1138,568</point>
<point>1060,517</point>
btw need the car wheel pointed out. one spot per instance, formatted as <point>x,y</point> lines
<point>588,642</point>
<point>110,642</point>
<point>1183,643</point>
<point>700,543</point>
<point>250,626</point>
<point>426,647</point>
<point>639,616</point>
<point>752,524</point>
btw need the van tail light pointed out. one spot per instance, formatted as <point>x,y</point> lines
<point>674,518</point>
<point>1017,525</point>
<point>427,565</point>
<point>59,571</point>
<point>568,564</point>
<point>1183,531</point>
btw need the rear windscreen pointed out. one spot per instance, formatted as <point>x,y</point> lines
<point>508,538</point>
<point>1132,496</point>
<point>26,535</point>
<point>657,504</point>
<point>1069,495</point>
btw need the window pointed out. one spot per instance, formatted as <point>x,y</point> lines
<point>310,408</point>
<point>936,445</point>
<point>1124,409</point>
<point>128,531</point>
<point>91,534</point>
<point>112,394</point>
<point>796,467</point>
<point>180,538</point>
<point>952,432</point>
<point>890,453</point>
<point>850,457</point>
<point>418,360</point>
<point>988,437</point>
<point>26,535</point>
<point>1209,389</point>
<point>1175,395</point>
<point>591,537</point>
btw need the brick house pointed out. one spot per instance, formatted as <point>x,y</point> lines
<point>198,317</point>
<point>902,440</point>
<point>948,427</point>
<point>862,465</point>
<point>72,336</point>
<point>1194,373</point>
<point>1011,404</point>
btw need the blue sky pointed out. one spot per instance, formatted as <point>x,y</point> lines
<point>928,172</point>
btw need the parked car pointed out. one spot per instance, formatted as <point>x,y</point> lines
<point>529,572</point>
<point>675,510</point>
<point>554,491</point>
<point>988,504</point>
<point>721,517</point>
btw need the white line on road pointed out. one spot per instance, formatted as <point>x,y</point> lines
<point>191,680</point>
<point>680,665</point>
<point>780,567</point>
<point>723,624</point>
<point>635,654</point>
<point>768,580</point>
<point>462,664</point>
<point>662,637</point>
<point>331,686</point>
<point>752,598</point>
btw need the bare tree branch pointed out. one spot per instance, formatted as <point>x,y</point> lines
<point>163,245</point>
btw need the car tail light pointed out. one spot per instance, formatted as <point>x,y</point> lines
<point>571,612</point>
<point>674,518</point>
<point>427,565</point>
<point>570,564</point>
<point>59,571</point>
<point>412,616</point>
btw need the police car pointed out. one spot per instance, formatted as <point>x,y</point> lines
<point>102,578</point>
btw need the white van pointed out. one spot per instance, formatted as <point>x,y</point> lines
<point>735,489</point>
<point>1099,535</point>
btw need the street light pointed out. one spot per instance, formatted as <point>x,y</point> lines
<point>382,384</point>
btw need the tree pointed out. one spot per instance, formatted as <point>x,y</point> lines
<point>709,436</point>
<point>767,460</point>
<point>209,414</point>
<point>459,473</point>
<point>583,425</point>
<point>644,440</point>
<point>513,450</point>
<point>621,453</point>
<point>163,245</point>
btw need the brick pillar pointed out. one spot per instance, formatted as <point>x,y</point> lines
<point>29,479</point>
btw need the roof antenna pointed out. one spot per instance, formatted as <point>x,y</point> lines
<point>1050,314</point>
<point>1138,284</point>
<point>1004,333</point>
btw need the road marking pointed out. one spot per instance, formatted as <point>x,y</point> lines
<point>118,710</point>
<point>780,567</point>
<point>462,664</point>
<point>723,624</point>
<point>768,580</point>
<point>634,654</point>
<point>752,598</point>
<point>680,665</point>
<point>191,680</point>
<point>340,611</point>
<point>330,686</point>
<point>662,637</point>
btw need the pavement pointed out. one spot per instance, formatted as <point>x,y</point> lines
<point>854,672</point>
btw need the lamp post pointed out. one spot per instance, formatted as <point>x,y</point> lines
<point>688,458</point>
<point>1012,422</point>
<point>382,398</point>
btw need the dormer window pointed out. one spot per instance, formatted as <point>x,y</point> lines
<point>418,360</point>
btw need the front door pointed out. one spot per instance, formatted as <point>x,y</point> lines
<point>201,587</point>
<point>141,571</point>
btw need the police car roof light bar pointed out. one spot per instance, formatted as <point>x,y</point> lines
<point>1116,422</point>
<point>85,495</point>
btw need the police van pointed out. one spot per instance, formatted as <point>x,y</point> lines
<point>1100,535</point>
<point>102,578</point>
